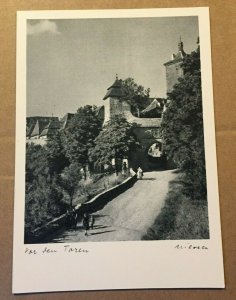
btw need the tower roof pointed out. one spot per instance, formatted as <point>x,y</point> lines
<point>115,90</point>
<point>179,55</point>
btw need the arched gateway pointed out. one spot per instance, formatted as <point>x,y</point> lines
<point>147,130</point>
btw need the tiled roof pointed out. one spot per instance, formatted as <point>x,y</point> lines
<point>39,126</point>
<point>29,130</point>
<point>51,128</point>
<point>100,110</point>
<point>178,56</point>
<point>35,125</point>
<point>153,105</point>
<point>143,122</point>
<point>65,120</point>
<point>115,90</point>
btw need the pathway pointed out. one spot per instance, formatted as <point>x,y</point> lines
<point>128,216</point>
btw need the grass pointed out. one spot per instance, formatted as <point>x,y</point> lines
<point>96,185</point>
<point>180,218</point>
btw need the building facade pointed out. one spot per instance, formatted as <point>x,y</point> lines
<point>173,67</point>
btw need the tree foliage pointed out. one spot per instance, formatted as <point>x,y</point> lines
<point>42,202</point>
<point>69,180</point>
<point>182,127</point>
<point>116,140</point>
<point>56,157</point>
<point>136,95</point>
<point>80,135</point>
<point>36,162</point>
<point>43,198</point>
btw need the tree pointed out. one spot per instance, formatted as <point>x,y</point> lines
<point>115,141</point>
<point>42,202</point>
<point>36,162</point>
<point>69,180</point>
<point>42,194</point>
<point>182,127</point>
<point>56,157</point>
<point>136,95</point>
<point>80,135</point>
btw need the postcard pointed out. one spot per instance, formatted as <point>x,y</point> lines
<point>115,175</point>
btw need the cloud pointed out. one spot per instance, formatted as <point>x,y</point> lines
<point>41,27</point>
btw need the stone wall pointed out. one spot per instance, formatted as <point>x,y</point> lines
<point>173,72</point>
<point>114,107</point>
<point>147,131</point>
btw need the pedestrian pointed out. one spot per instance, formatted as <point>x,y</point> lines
<point>140,173</point>
<point>67,219</point>
<point>74,218</point>
<point>92,221</point>
<point>86,223</point>
<point>124,168</point>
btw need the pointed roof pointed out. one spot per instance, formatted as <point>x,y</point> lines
<point>38,128</point>
<point>65,120</point>
<point>36,124</point>
<point>179,55</point>
<point>115,90</point>
<point>29,130</point>
<point>51,128</point>
<point>155,104</point>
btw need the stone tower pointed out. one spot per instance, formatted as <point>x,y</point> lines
<point>113,104</point>
<point>173,67</point>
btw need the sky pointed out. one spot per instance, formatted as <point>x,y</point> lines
<point>72,62</point>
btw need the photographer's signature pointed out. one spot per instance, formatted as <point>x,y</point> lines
<point>190,247</point>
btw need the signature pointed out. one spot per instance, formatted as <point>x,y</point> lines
<point>191,247</point>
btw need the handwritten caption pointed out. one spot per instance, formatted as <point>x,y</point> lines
<point>68,249</point>
<point>190,247</point>
<point>50,250</point>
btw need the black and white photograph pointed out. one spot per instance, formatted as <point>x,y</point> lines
<point>114,131</point>
<point>115,146</point>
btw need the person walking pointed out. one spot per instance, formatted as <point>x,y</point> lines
<point>74,218</point>
<point>140,173</point>
<point>92,221</point>
<point>86,223</point>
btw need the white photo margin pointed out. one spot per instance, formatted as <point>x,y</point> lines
<point>118,265</point>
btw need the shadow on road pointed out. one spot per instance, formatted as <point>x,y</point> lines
<point>100,226</point>
<point>99,216</point>
<point>150,178</point>
<point>95,233</point>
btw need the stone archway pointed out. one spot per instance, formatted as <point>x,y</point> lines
<point>156,156</point>
<point>147,138</point>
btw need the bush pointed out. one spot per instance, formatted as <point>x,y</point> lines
<point>42,203</point>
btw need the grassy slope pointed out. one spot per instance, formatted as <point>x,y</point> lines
<point>96,185</point>
<point>180,218</point>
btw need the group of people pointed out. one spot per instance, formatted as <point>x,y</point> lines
<point>139,173</point>
<point>88,220</point>
<point>72,220</point>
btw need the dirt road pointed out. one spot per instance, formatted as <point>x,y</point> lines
<point>128,216</point>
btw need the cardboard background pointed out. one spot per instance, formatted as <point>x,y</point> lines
<point>223,32</point>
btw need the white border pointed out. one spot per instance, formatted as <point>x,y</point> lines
<point>118,265</point>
